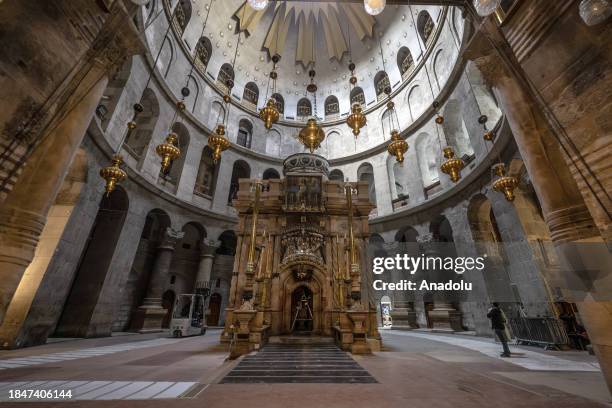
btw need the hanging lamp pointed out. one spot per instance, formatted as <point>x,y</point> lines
<point>504,183</point>
<point>312,135</point>
<point>218,142</point>
<point>269,114</point>
<point>357,119</point>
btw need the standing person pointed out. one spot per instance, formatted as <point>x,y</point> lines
<point>498,324</point>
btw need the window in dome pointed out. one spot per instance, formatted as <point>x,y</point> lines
<point>245,130</point>
<point>225,73</point>
<point>405,62</point>
<point>332,107</point>
<point>381,83</point>
<point>425,26</point>
<point>280,103</point>
<point>304,108</point>
<point>250,94</point>
<point>202,54</point>
<point>357,96</point>
<point>182,15</point>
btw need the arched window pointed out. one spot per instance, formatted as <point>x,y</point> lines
<point>336,175</point>
<point>241,170</point>
<point>381,84</point>
<point>245,130</point>
<point>425,26</point>
<point>280,103</point>
<point>203,51</point>
<point>113,91</point>
<point>207,175</point>
<point>405,62</point>
<point>250,94</point>
<point>332,107</point>
<point>304,108</point>
<point>226,73</point>
<point>182,15</point>
<point>357,96</point>
<point>365,172</point>
<point>271,174</point>
<point>138,140</point>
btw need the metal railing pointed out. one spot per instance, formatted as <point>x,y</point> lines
<point>548,332</point>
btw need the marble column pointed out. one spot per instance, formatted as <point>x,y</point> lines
<point>443,316</point>
<point>58,135</point>
<point>583,254</point>
<point>149,316</point>
<point>207,257</point>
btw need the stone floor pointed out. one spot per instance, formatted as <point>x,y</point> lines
<point>413,370</point>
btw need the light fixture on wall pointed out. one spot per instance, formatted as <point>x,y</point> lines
<point>269,113</point>
<point>595,12</point>
<point>374,7</point>
<point>486,7</point>
<point>258,4</point>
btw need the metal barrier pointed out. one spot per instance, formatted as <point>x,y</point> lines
<point>543,331</point>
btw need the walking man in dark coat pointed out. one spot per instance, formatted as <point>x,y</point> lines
<point>498,324</point>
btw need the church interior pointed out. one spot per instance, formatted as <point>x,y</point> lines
<point>193,194</point>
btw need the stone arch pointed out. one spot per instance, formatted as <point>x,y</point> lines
<point>427,149</point>
<point>245,133</point>
<point>217,115</point>
<point>208,171</point>
<point>186,258</point>
<point>166,57</point>
<point>406,234</point>
<point>90,275</point>
<point>316,285</point>
<point>365,172</point>
<point>425,26</point>
<point>332,106</point>
<point>441,229</point>
<point>250,94</point>
<point>405,61</point>
<point>336,175</point>
<point>271,174</point>
<point>240,170</point>
<point>381,84</point>
<point>191,100</point>
<point>137,142</point>
<point>304,108</point>
<point>228,242</point>
<point>273,143</point>
<point>416,103</point>
<point>455,130</point>
<point>112,93</point>
<point>226,73</point>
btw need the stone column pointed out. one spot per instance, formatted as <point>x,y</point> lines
<point>207,257</point>
<point>571,226</point>
<point>149,315</point>
<point>58,135</point>
<point>443,316</point>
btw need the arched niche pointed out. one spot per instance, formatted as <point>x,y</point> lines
<point>217,115</point>
<point>186,258</point>
<point>226,74</point>
<point>90,275</point>
<point>381,84</point>
<point>181,15</point>
<point>365,172</point>
<point>280,103</point>
<point>208,171</point>
<point>405,61</point>
<point>273,143</point>
<point>202,54</point>
<point>245,133</point>
<point>228,242</point>
<point>304,108</point>
<point>427,149</point>
<point>455,130</point>
<point>112,93</point>
<point>250,94</point>
<point>332,106</point>
<point>240,170</point>
<point>357,96</point>
<point>138,140</point>
<point>425,26</point>
<point>191,100</point>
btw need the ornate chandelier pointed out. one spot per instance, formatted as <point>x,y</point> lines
<point>503,184</point>
<point>218,142</point>
<point>357,119</point>
<point>397,147</point>
<point>452,166</point>
<point>312,135</point>
<point>269,114</point>
<point>113,174</point>
<point>168,151</point>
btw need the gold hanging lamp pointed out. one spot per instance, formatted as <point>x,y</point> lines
<point>218,142</point>
<point>357,119</point>
<point>269,114</point>
<point>504,184</point>
<point>452,166</point>
<point>312,135</point>
<point>397,146</point>
<point>113,174</point>
<point>168,151</point>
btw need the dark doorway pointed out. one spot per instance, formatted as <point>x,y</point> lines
<point>214,306</point>
<point>301,310</point>
<point>92,269</point>
<point>168,303</point>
